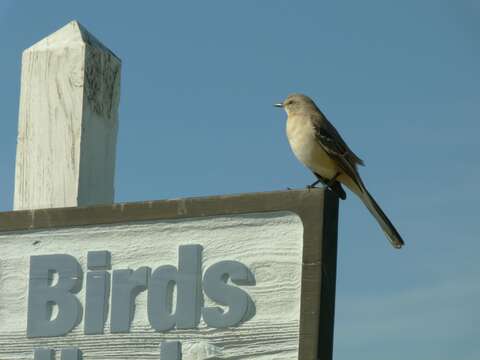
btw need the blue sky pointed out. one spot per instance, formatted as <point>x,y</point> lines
<point>399,79</point>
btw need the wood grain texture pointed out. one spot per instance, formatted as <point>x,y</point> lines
<point>317,209</point>
<point>68,120</point>
<point>270,244</point>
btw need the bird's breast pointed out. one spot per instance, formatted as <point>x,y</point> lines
<point>301,136</point>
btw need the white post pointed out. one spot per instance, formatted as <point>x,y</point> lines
<point>68,122</point>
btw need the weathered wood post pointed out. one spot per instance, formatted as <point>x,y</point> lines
<point>68,122</point>
<point>249,276</point>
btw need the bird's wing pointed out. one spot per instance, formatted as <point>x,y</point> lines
<point>331,141</point>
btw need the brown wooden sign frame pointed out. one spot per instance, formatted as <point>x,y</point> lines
<point>317,208</point>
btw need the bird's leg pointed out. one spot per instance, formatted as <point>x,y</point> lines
<point>320,179</point>
<point>333,180</point>
<point>332,184</point>
<point>336,187</point>
<point>312,185</point>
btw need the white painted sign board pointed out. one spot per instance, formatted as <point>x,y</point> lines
<point>216,278</point>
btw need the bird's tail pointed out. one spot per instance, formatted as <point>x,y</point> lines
<point>381,218</point>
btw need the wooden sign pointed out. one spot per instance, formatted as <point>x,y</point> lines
<point>233,277</point>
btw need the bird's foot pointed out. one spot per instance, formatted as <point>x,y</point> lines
<point>337,189</point>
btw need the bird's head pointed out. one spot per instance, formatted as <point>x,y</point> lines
<point>297,104</point>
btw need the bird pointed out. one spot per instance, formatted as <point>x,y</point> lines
<point>318,145</point>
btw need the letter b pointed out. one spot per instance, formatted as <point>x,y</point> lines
<point>42,296</point>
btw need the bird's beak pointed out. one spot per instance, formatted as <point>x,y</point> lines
<point>278,105</point>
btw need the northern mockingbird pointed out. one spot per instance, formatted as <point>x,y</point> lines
<point>319,146</point>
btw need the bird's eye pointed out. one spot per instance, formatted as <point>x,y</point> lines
<point>289,102</point>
